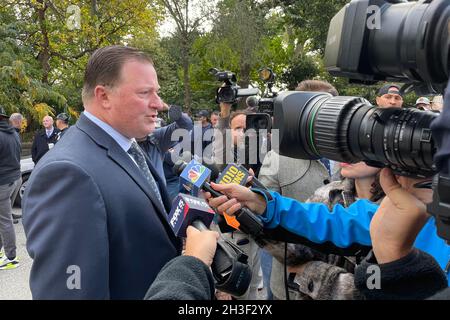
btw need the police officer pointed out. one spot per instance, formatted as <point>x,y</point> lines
<point>62,123</point>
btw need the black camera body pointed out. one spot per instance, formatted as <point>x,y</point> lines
<point>229,92</point>
<point>370,41</point>
<point>377,40</point>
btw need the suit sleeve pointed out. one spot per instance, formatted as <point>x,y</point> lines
<point>164,135</point>
<point>343,227</point>
<point>65,222</point>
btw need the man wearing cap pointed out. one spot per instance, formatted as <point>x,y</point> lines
<point>44,139</point>
<point>62,123</point>
<point>423,103</point>
<point>389,96</point>
<point>9,181</point>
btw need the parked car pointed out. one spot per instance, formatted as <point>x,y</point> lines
<point>26,166</point>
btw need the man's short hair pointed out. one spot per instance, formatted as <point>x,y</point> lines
<point>389,88</point>
<point>16,117</point>
<point>236,113</point>
<point>105,65</point>
<point>317,86</point>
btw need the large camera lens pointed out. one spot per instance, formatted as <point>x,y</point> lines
<point>349,129</point>
<point>373,40</point>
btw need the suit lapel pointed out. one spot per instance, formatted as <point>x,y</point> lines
<point>119,156</point>
<point>162,187</point>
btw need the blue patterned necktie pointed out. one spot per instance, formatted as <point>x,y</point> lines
<point>137,154</point>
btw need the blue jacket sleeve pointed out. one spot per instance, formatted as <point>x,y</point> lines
<point>343,226</point>
<point>164,135</point>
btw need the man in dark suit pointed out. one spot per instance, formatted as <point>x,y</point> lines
<point>95,210</point>
<point>44,139</point>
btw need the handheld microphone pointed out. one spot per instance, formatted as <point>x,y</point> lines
<point>237,173</point>
<point>234,173</point>
<point>229,267</point>
<point>248,222</point>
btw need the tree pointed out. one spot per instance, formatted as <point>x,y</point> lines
<point>188,22</point>
<point>64,34</point>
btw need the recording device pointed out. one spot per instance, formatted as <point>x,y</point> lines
<point>248,222</point>
<point>229,267</point>
<point>262,119</point>
<point>410,44</point>
<point>229,92</point>
<point>313,125</point>
<point>375,40</point>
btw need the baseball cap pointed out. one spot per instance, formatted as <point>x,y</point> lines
<point>389,88</point>
<point>423,100</point>
<point>203,113</point>
<point>3,112</point>
<point>63,117</point>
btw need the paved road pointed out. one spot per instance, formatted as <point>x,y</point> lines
<point>14,283</point>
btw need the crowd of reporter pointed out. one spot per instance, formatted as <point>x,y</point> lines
<point>364,217</point>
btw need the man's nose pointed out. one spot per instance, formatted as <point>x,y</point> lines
<point>157,103</point>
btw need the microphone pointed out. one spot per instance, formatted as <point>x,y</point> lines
<point>185,210</point>
<point>229,267</point>
<point>194,178</point>
<point>235,173</point>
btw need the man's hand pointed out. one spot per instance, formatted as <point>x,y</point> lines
<point>235,197</point>
<point>201,244</point>
<point>165,107</point>
<point>399,219</point>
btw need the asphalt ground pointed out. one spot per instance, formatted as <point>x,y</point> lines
<point>14,283</point>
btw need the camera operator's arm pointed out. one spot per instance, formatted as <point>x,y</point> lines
<point>164,135</point>
<point>188,277</point>
<point>343,227</point>
<point>406,273</point>
<point>219,141</point>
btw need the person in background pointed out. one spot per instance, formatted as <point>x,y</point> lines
<point>388,96</point>
<point>44,139</point>
<point>10,179</point>
<point>423,103</point>
<point>214,118</point>
<point>62,123</point>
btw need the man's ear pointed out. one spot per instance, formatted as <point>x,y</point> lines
<point>377,100</point>
<point>102,95</point>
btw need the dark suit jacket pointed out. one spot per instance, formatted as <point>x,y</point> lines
<point>88,210</point>
<point>40,143</point>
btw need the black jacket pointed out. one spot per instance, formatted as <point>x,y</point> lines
<point>182,278</point>
<point>9,154</point>
<point>41,142</point>
<point>415,276</point>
